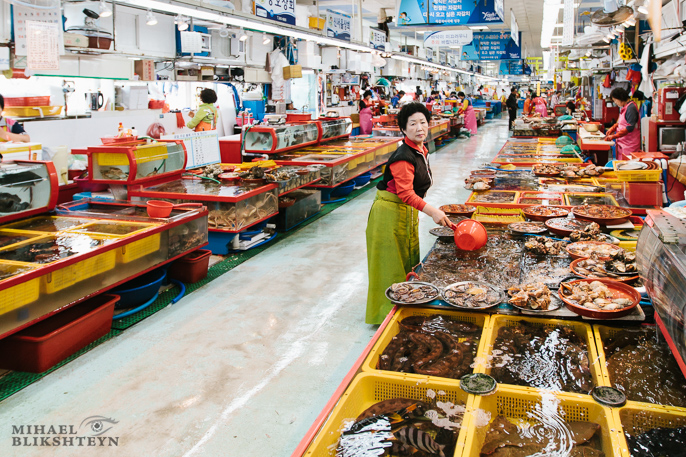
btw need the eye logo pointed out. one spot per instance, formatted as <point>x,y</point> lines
<point>98,424</point>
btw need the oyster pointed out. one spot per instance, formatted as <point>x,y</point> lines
<point>594,295</point>
<point>535,296</point>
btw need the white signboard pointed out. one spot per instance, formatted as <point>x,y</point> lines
<point>202,148</point>
<point>568,24</point>
<point>377,39</point>
<point>338,25</point>
<point>21,15</point>
<point>42,45</point>
<point>448,38</point>
<point>514,27</point>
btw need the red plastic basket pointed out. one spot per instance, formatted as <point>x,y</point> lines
<point>118,140</point>
<point>45,344</point>
<point>192,267</point>
<point>27,101</point>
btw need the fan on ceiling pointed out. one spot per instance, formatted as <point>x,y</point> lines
<point>611,14</point>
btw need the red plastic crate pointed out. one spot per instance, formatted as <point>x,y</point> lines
<point>192,267</point>
<point>45,344</point>
<point>27,101</point>
<point>643,193</point>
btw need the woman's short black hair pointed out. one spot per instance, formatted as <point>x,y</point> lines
<point>620,94</point>
<point>367,93</point>
<point>461,94</point>
<point>2,103</point>
<point>401,93</point>
<point>410,109</point>
<point>208,96</point>
<point>571,106</point>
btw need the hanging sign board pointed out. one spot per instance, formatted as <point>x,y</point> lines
<point>42,45</point>
<point>377,39</point>
<point>449,12</point>
<point>448,38</point>
<point>21,15</point>
<point>568,24</point>
<point>338,25</point>
<point>514,28</point>
<point>492,46</point>
<point>277,10</point>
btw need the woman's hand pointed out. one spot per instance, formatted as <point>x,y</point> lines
<point>438,216</point>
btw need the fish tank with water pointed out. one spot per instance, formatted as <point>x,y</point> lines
<point>265,139</point>
<point>26,188</point>
<point>135,162</point>
<point>332,129</point>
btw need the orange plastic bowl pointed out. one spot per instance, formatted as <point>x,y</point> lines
<point>470,235</point>
<point>160,208</point>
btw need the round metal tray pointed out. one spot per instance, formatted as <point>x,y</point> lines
<point>555,304</point>
<point>420,302</point>
<point>477,283</point>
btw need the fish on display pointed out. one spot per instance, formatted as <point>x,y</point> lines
<point>418,439</point>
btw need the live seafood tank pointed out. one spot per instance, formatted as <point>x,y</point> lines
<point>135,162</point>
<point>48,262</point>
<point>271,140</point>
<point>232,208</point>
<point>332,129</point>
<point>661,261</point>
<point>26,188</point>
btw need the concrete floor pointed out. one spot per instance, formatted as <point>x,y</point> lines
<point>243,366</point>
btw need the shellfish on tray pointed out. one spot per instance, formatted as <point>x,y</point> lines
<point>594,295</point>
<point>534,296</point>
<point>545,246</point>
<point>471,294</point>
<point>412,292</point>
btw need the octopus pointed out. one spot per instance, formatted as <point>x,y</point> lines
<point>433,346</point>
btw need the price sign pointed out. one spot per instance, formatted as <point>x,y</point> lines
<point>202,148</point>
<point>277,10</point>
<point>338,25</point>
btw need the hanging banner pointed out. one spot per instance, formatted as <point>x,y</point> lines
<point>277,10</point>
<point>22,15</point>
<point>514,28</point>
<point>449,12</point>
<point>568,24</point>
<point>377,39</point>
<point>338,25</point>
<point>448,38</point>
<point>514,67</point>
<point>492,46</point>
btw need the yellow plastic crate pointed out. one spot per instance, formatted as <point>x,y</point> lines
<point>498,215</point>
<point>637,418</point>
<point>584,331</point>
<point>19,226</point>
<point>602,332</point>
<point>80,271</point>
<point>22,294</point>
<point>393,328</point>
<point>569,195</point>
<point>525,405</point>
<point>142,154</point>
<point>628,245</point>
<point>366,390</point>
<point>91,229</point>
<point>475,195</point>
<point>138,249</point>
<point>636,175</point>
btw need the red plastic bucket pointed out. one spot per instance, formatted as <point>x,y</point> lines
<point>191,267</point>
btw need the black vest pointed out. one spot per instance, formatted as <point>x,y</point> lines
<point>422,173</point>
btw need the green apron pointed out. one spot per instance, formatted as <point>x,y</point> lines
<point>392,250</point>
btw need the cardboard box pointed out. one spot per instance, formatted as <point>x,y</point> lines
<point>206,71</point>
<point>145,69</point>
<point>292,72</point>
<point>75,39</point>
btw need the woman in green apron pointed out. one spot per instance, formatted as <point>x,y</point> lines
<point>392,229</point>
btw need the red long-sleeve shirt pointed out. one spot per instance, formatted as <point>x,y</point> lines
<point>403,177</point>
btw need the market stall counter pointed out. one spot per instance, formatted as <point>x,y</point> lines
<point>54,261</point>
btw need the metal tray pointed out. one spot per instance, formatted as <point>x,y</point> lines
<point>478,283</point>
<point>420,302</point>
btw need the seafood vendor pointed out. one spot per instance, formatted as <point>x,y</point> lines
<point>627,131</point>
<point>528,108</point>
<point>468,110</point>
<point>571,107</point>
<point>10,130</point>
<point>206,117</point>
<point>540,107</point>
<point>392,228</point>
<point>396,98</point>
<point>512,106</point>
<point>366,124</point>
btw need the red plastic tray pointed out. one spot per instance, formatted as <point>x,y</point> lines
<point>45,344</point>
<point>27,101</point>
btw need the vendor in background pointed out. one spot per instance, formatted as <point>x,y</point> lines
<point>503,96</point>
<point>366,113</point>
<point>627,131</point>
<point>540,107</point>
<point>571,108</point>
<point>10,130</point>
<point>392,228</point>
<point>528,105</point>
<point>512,105</point>
<point>555,99</point>
<point>395,100</point>
<point>206,117</point>
<point>468,110</point>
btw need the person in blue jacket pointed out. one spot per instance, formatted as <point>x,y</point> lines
<point>396,98</point>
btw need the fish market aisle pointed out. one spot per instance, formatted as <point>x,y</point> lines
<point>242,366</point>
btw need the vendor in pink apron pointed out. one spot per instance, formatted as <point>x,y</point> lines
<point>366,124</point>
<point>541,107</point>
<point>467,109</point>
<point>627,131</point>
